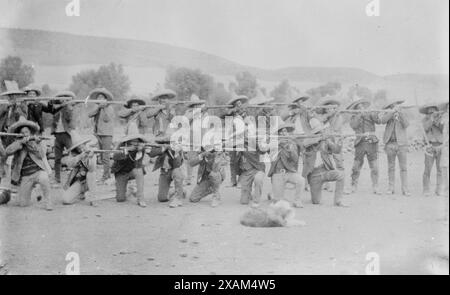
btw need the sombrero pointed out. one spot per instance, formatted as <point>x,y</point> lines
<point>12,92</point>
<point>135,100</point>
<point>170,94</point>
<point>195,101</point>
<point>77,142</point>
<point>23,123</point>
<point>260,98</point>
<point>241,98</point>
<point>392,104</point>
<point>424,109</point>
<point>32,87</point>
<point>130,137</point>
<point>329,101</point>
<point>65,93</point>
<point>354,104</point>
<point>300,99</point>
<point>290,127</point>
<point>95,92</point>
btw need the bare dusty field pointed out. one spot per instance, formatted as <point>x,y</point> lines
<point>409,235</point>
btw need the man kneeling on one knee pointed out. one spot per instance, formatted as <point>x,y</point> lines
<point>321,170</point>
<point>81,183</point>
<point>284,168</point>
<point>211,174</point>
<point>169,160</point>
<point>29,166</point>
<point>128,165</point>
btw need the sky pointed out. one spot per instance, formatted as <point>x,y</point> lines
<point>408,36</point>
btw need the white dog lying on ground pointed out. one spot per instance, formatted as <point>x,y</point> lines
<point>276,214</point>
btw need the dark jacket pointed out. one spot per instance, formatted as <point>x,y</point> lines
<point>68,120</point>
<point>20,151</point>
<point>174,162</point>
<point>288,156</point>
<point>252,158</point>
<point>35,113</point>
<point>398,126</point>
<point>365,123</point>
<point>124,163</point>
<point>326,148</point>
<point>211,162</point>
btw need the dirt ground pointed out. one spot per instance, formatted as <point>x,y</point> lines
<point>410,235</point>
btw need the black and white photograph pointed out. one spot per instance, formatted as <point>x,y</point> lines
<point>224,138</point>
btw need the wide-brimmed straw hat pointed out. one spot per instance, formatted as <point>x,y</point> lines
<point>195,101</point>
<point>356,103</point>
<point>329,101</point>
<point>391,104</point>
<point>260,98</point>
<point>131,137</point>
<point>290,127</point>
<point>33,87</point>
<point>77,140</point>
<point>12,88</point>
<point>14,128</point>
<point>166,93</point>
<point>95,92</point>
<point>134,100</point>
<point>66,93</point>
<point>237,98</point>
<point>424,109</point>
<point>302,98</point>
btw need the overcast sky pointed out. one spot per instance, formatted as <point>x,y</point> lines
<point>409,36</point>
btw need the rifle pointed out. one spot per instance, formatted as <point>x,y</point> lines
<point>21,135</point>
<point>98,101</point>
<point>43,98</point>
<point>107,151</point>
<point>373,110</point>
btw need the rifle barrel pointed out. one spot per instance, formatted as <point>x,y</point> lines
<point>21,135</point>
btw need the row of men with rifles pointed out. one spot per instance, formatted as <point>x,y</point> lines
<point>308,153</point>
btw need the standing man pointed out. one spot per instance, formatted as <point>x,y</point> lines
<point>299,115</point>
<point>29,163</point>
<point>395,140</point>
<point>319,170</point>
<point>134,115</point>
<point>284,169</point>
<point>237,111</point>
<point>434,127</point>
<point>365,145</point>
<point>196,111</point>
<point>36,108</point>
<point>103,115</point>
<point>251,171</point>
<point>162,116</point>
<point>63,124</point>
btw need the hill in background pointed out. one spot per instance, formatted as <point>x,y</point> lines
<point>58,56</point>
